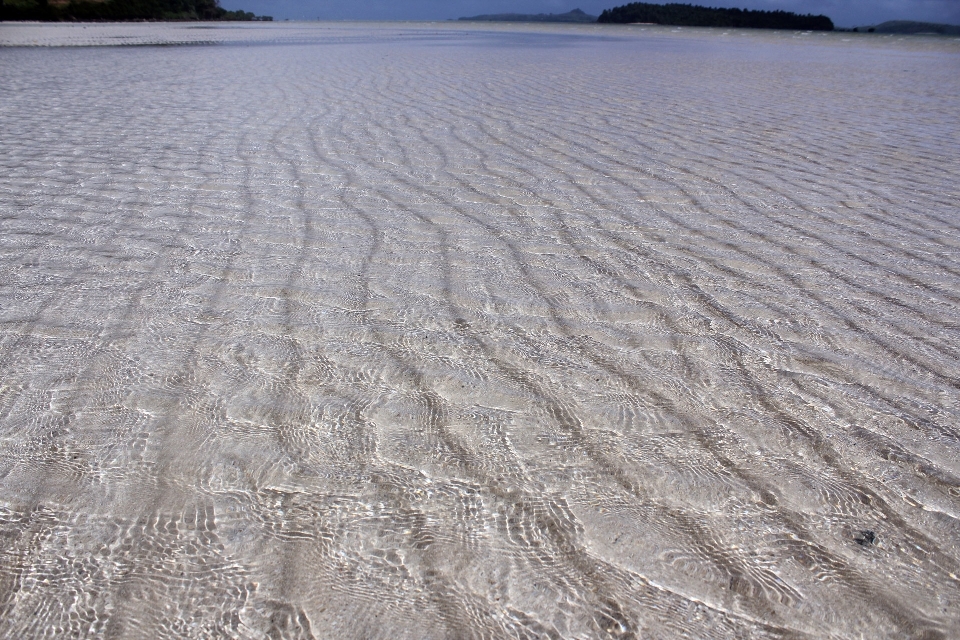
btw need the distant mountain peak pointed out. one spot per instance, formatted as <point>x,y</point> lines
<point>911,27</point>
<point>577,15</point>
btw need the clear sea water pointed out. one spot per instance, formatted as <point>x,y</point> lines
<point>478,331</point>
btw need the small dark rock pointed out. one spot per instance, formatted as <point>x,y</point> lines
<point>865,538</point>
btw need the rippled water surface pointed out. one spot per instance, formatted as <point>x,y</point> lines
<point>433,331</point>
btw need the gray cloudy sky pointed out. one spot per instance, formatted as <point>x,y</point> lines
<point>845,13</point>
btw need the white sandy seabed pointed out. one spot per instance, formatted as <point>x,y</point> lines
<point>452,331</point>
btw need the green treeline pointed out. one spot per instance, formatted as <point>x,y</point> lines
<point>689,15</point>
<point>120,10</point>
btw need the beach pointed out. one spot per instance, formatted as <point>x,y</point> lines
<point>446,330</point>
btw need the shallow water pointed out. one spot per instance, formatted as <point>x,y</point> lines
<point>446,331</point>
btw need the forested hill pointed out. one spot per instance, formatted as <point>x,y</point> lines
<point>689,15</point>
<point>120,10</point>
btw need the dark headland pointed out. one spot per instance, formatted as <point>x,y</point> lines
<point>688,15</point>
<point>120,10</point>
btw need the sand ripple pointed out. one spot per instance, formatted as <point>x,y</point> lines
<point>435,331</point>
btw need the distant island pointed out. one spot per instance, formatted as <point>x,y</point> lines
<point>689,15</point>
<point>911,27</point>
<point>571,16</point>
<point>120,10</point>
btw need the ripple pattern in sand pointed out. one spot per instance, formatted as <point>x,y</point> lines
<point>451,332</point>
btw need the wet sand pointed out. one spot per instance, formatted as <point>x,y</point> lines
<point>446,331</point>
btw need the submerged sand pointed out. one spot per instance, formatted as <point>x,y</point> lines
<point>447,331</point>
